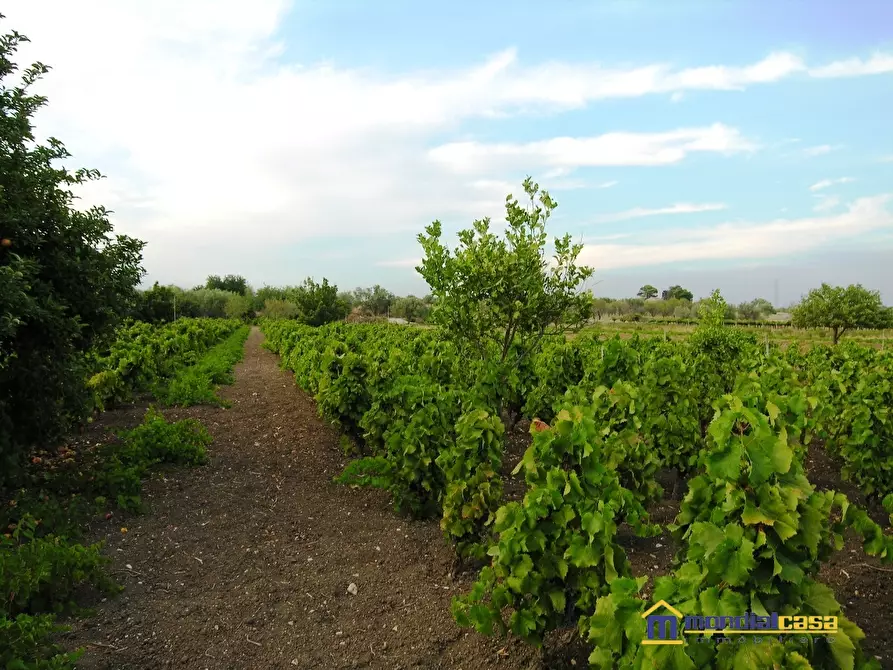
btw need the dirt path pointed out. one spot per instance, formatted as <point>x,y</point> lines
<point>246,563</point>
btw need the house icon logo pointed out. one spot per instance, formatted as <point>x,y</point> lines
<point>662,628</point>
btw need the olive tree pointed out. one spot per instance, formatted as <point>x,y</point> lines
<point>498,296</point>
<point>841,309</point>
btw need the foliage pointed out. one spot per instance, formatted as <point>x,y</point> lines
<point>202,302</point>
<point>372,471</point>
<point>841,309</point>
<point>679,293</point>
<point>274,308</point>
<point>230,283</point>
<point>197,384</point>
<point>376,299</point>
<point>156,305</point>
<point>26,643</point>
<point>157,440</point>
<point>144,357</point>
<point>238,307</point>
<point>754,534</point>
<point>734,414</point>
<point>647,291</point>
<point>718,351</point>
<point>854,397</point>
<point>319,304</point>
<point>497,298</point>
<point>411,308</point>
<point>65,279</point>
<point>471,466</point>
<point>754,310</point>
<point>40,574</point>
<point>556,551</point>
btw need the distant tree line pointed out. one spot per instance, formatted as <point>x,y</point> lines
<point>837,308</point>
<point>313,303</point>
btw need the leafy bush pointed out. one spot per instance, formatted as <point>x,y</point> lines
<point>471,467</point>
<point>26,644</point>
<point>65,279</point>
<point>556,551</point>
<point>40,574</point>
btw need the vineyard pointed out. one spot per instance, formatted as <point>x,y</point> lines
<point>731,415</point>
<point>45,559</point>
<point>510,482</point>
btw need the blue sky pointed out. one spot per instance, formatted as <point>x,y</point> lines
<point>714,144</point>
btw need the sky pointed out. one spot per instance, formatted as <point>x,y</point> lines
<point>740,145</point>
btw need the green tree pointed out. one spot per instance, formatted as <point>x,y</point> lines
<point>679,293</point>
<point>319,304</point>
<point>375,300</point>
<point>65,279</point>
<point>210,302</point>
<point>232,283</point>
<point>647,291</point>
<point>841,309</point>
<point>498,295</point>
<point>155,304</point>
<point>238,307</point>
<point>410,308</point>
<point>280,309</point>
<point>602,306</point>
<point>755,309</point>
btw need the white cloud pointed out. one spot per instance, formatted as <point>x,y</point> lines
<point>819,150</point>
<point>826,202</point>
<point>608,184</point>
<point>826,183</point>
<point>219,148</point>
<point>610,149</point>
<point>678,208</point>
<point>774,239</point>
<point>879,63</point>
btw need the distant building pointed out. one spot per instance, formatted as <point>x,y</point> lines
<point>395,319</point>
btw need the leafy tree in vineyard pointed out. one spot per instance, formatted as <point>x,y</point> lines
<point>499,297</point>
<point>319,304</point>
<point>841,309</point>
<point>65,279</point>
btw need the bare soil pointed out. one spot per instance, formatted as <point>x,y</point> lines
<point>247,562</point>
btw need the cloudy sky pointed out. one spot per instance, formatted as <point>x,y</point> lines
<point>744,145</point>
